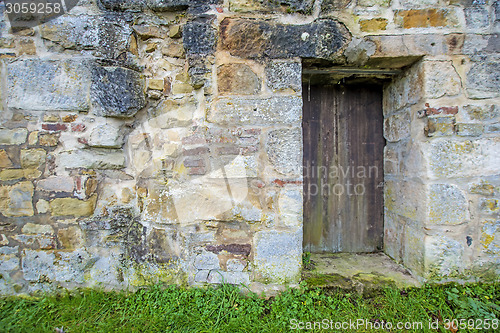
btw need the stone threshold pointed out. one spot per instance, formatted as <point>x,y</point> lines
<point>360,272</point>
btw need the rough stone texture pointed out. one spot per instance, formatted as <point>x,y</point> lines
<point>35,84</point>
<point>255,111</point>
<point>238,79</point>
<point>117,92</point>
<point>397,127</point>
<point>283,75</point>
<point>254,39</point>
<point>447,83</point>
<point>14,136</point>
<point>483,78</point>
<point>72,207</point>
<point>56,184</point>
<point>16,200</point>
<point>92,159</point>
<point>106,136</point>
<point>278,255</point>
<point>108,35</point>
<point>303,6</point>
<point>282,147</point>
<point>199,38</point>
<point>447,205</point>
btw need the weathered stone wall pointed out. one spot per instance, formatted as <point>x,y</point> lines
<point>145,141</point>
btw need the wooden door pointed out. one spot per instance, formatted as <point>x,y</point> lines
<point>343,168</point>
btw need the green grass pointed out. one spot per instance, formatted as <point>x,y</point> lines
<point>225,309</point>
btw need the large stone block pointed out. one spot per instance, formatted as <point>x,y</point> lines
<point>92,159</point>
<point>15,136</point>
<point>477,17</point>
<point>16,200</point>
<point>483,78</point>
<point>106,136</point>
<point>256,111</point>
<point>444,256</point>
<point>447,205</point>
<point>9,260</point>
<point>469,158</point>
<point>72,207</point>
<point>109,34</point>
<point>278,256</point>
<point>441,79</point>
<point>405,198</point>
<point>38,265</point>
<point>290,207</point>
<point>199,38</point>
<point>117,91</point>
<point>284,150</point>
<point>33,158</point>
<point>35,84</point>
<point>56,184</point>
<point>397,127</point>
<point>256,39</point>
<point>237,79</point>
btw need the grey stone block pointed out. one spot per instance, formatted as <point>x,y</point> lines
<point>199,38</point>
<point>483,78</point>
<point>284,75</point>
<point>92,159</point>
<point>283,149</point>
<point>38,264</point>
<point>109,35</point>
<point>256,111</point>
<point>206,260</point>
<point>117,92</point>
<point>36,84</point>
<point>218,277</point>
<point>278,255</point>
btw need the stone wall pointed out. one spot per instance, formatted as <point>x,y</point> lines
<point>145,141</point>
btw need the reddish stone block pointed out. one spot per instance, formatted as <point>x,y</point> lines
<point>422,18</point>
<point>194,162</point>
<point>54,127</point>
<point>444,110</point>
<point>196,151</point>
<point>78,127</point>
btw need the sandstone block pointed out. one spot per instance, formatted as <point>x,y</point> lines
<point>5,161</point>
<point>397,127</point>
<point>440,79</point>
<point>16,200</point>
<point>372,25</point>
<point>443,256</point>
<point>447,205</point>
<point>92,159</point>
<point>70,238</point>
<point>56,184</point>
<point>36,229</point>
<point>464,129</point>
<point>284,149</point>
<point>481,112</point>
<point>106,136</point>
<point>421,18</point>
<point>450,158</point>
<point>72,207</point>
<point>33,158</point>
<point>440,126</point>
<point>15,136</point>
<point>237,79</point>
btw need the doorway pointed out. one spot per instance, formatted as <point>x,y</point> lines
<point>343,168</point>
